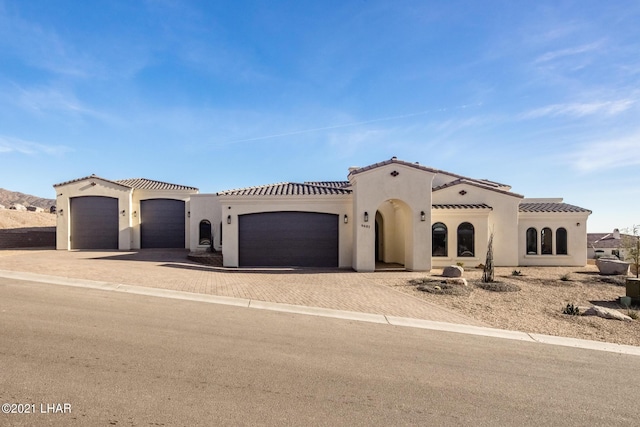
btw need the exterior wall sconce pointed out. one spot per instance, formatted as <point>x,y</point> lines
<point>577,224</point>
<point>423,217</point>
<point>346,219</point>
<point>135,214</point>
<point>123,212</point>
<point>189,214</point>
<point>366,217</point>
<point>61,211</point>
<point>228,219</point>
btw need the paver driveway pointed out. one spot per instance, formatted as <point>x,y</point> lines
<point>170,269</point>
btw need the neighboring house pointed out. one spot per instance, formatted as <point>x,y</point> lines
<point>2,206</point>
<point>17,207</point>
<point>392,212</point>
<point>605,244</point>
<point>34,209</point>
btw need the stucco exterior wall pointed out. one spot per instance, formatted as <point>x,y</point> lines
<point>502,219</point>
<point>205,207</point>
<point>410,189</point>
<point>234,206</point>
<point>576,226</point>
<point>92,187</point>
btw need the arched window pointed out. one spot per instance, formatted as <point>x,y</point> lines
<point>546,239</point>
<point>205,233</point>
<point>561,241</point>
<point>466,238</point>
<point>439,239</point>
<point>532,241</point>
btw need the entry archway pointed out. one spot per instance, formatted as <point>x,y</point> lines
<point>393,228</point>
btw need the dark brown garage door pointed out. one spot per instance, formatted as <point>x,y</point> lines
<point>162,223</point>
<point>277,239</point>
<point>94,222</point>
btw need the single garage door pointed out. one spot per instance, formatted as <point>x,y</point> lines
<point>277,239</point>
<point>162,223</point>
<point>94,222</point>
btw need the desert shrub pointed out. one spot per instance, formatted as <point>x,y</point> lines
<point>516,273</point>
<point>498,286</point>
<point>571,309</point>
<point>565,277</point>
<point>633,313</point>
<point>460,264</point>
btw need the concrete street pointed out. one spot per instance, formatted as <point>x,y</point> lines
<point>122,359</point>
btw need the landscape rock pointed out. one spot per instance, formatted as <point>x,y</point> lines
<point>459,281</point>
<point>606,313</point>
<point>608,267</point>
<point>452,271</point>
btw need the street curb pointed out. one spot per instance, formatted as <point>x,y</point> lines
<point>325,312</point>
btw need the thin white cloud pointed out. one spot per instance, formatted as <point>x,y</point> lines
<point>572,51</point>
<point>15,145</point>
<point>608,108</point>
<point>607,154</point>
<point>51,99</point>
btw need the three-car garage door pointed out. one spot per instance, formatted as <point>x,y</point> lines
<point>162,223</point>
<point>276,239</point>
<point>94,222</point>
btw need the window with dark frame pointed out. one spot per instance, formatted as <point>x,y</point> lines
<point>439,240</point>
<point>546,240</point>
<point>532,241</point>
<point>561,241</point>
<point>205,233</point>
<point>466,240</point>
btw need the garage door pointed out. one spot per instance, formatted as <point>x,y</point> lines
<point>94,222</point>
<point>276,239</point>
<point>162,223</point>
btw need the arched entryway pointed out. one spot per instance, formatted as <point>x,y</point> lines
<point>393,229</point>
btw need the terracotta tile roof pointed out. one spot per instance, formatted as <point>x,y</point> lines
<point>332,184</point>
<point>477,183</point>
<point>462,206</point>
<point>551,208</point>
<point>393,160</point>
<point>149,184</point>
<point>92,176</point>
<point>286,189</point>
<point>603,241</point>
<point>135,183</point>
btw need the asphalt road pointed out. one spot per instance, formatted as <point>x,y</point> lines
<point>132,360</point>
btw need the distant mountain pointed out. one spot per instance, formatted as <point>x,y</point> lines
<point>7,198</point>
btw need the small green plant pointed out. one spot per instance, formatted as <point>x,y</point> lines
<point>460,264</point>
<point>516,273</point>
<point>565,277</point>
<point>571,310</point>
<point>633,313</point>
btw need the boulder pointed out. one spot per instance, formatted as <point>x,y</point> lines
<point>606,313</point>
<point>452,271</point>
<point>459,281</point>
<point>609,267</point>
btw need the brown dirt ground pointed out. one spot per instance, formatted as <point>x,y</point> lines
<point>24,219</point>
<point>537,307</point>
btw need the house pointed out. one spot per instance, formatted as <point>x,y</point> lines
<point>606,244</point>
<point>392,212</point>
<point>34,209</point>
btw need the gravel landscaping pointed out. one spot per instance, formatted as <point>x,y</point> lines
<point>538,304</point>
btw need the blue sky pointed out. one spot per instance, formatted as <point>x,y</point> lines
<point>541,95</point>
